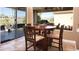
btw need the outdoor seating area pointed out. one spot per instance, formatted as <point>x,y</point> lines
<point>39,29</point>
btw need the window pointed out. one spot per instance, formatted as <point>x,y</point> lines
<point>6,16</point>
<point>11,23</point>
<point>46,16</point>
<point>60,18</point>
<point>6,22</point>
<point>20,23</point>
<point>64,19</point>
<point>20,17</point>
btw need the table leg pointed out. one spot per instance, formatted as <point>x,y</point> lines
<point>45,41</point>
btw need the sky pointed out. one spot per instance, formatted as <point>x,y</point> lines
<point>10,12</point>
<point>47,15</point>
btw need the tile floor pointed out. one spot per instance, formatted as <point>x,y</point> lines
<point>19,45</point>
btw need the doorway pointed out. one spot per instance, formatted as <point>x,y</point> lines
<point>12,21</point>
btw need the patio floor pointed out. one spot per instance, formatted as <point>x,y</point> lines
<point>19,45</point>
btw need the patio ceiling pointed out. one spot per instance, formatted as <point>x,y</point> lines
<point>49,9</point>
<point>46,9</point>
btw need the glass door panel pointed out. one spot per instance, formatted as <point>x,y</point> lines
<point>12,21</point>
<point>20,23</point>
<point>7,31</point>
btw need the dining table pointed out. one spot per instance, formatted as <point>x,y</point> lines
<point>46,30</point>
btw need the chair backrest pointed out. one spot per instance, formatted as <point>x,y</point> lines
<point>52,24</point>
<point>3,27</point>
<point>28,24</point>
<point>29,32</point>
<point>61,32</point>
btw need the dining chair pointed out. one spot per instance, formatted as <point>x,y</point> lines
<point>56,39</point>
<point>28,24</point>
<point>37,31</point>
<point>32,37</point>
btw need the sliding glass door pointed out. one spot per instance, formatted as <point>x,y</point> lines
<point>20,23</point>
<point>12,21</point>
<point>6,22</point>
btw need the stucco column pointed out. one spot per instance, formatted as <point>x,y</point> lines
<point>76,25</point>
<point>30,15</point>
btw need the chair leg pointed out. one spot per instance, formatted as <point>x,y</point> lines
<point>60,47</point>
<point>26,46</point>
<point>50,42</point>
<point>34,46</point>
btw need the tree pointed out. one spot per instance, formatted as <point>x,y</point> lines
<point>24,20</point>
<point>7,21</point>
<point>38,19</point>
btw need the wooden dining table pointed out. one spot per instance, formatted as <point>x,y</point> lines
<point>44,43</point>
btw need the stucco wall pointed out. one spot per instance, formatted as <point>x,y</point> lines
<point>76,24</point>
<point>30,15</point>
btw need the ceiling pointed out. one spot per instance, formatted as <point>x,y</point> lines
<point>45,9</point>
<point>48,9</point>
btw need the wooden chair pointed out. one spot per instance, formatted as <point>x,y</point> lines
<point>32,37</point>
<point>28,24</point>
<point>56,39</point>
